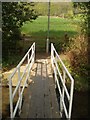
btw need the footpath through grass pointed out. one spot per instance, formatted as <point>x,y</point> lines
<point>37,31</point>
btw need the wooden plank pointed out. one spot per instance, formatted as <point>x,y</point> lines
<point>54,102</point>
<point>40,101</point>
<point>25,107</point>
<point>47,106</point>
<point>36,103</point>
<point>27,103</point>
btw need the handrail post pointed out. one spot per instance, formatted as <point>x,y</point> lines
<point>51,54</point>
<point>19,92</point>
<point>71,98</point>
<point>28,58</point>
<point>63,93</point>
<point>56,73</point>
<point>28,62</point>
<point>28,66</point>
<point>33,48</point>
<point>11,98</point>
<point>64,76</point>
<point>34,52</point>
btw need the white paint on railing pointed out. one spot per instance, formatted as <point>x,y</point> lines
<point>55,59</point>
<point>31,59</point>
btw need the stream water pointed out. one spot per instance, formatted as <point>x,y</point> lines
<point>80,105</point>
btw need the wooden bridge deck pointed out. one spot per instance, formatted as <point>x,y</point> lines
<point>40,100</point>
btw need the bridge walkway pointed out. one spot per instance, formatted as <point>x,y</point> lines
<point>40,100</point>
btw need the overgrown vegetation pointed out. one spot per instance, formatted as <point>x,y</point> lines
<point>78,51</point>
<point>79,62</point>
<point>79,48</point>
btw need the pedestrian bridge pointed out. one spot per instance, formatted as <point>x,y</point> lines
<point>50,92</point>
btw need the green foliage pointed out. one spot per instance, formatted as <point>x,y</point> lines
<point>79,61</point>
<point>77,68</point>
<point>82,10</point>
<point>81,44</point>
<point>14,14</point>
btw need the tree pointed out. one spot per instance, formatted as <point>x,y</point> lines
<point>14,14</point>
<point>82,9</point>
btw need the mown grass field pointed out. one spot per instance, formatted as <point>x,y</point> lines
<point>37,31</point>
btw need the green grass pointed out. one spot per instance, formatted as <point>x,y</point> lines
<point>57,25</point>
<point>37,30</point>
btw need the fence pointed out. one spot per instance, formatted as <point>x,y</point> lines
<point>30,57</point>
<point>61,74</point>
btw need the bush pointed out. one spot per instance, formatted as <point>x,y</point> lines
<point>79,61</point>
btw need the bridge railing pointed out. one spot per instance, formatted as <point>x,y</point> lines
<point>62,76</point>
<point>29,57</point>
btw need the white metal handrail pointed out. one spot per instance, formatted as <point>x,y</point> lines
<point>61,77</point>
<point>30,56</point>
